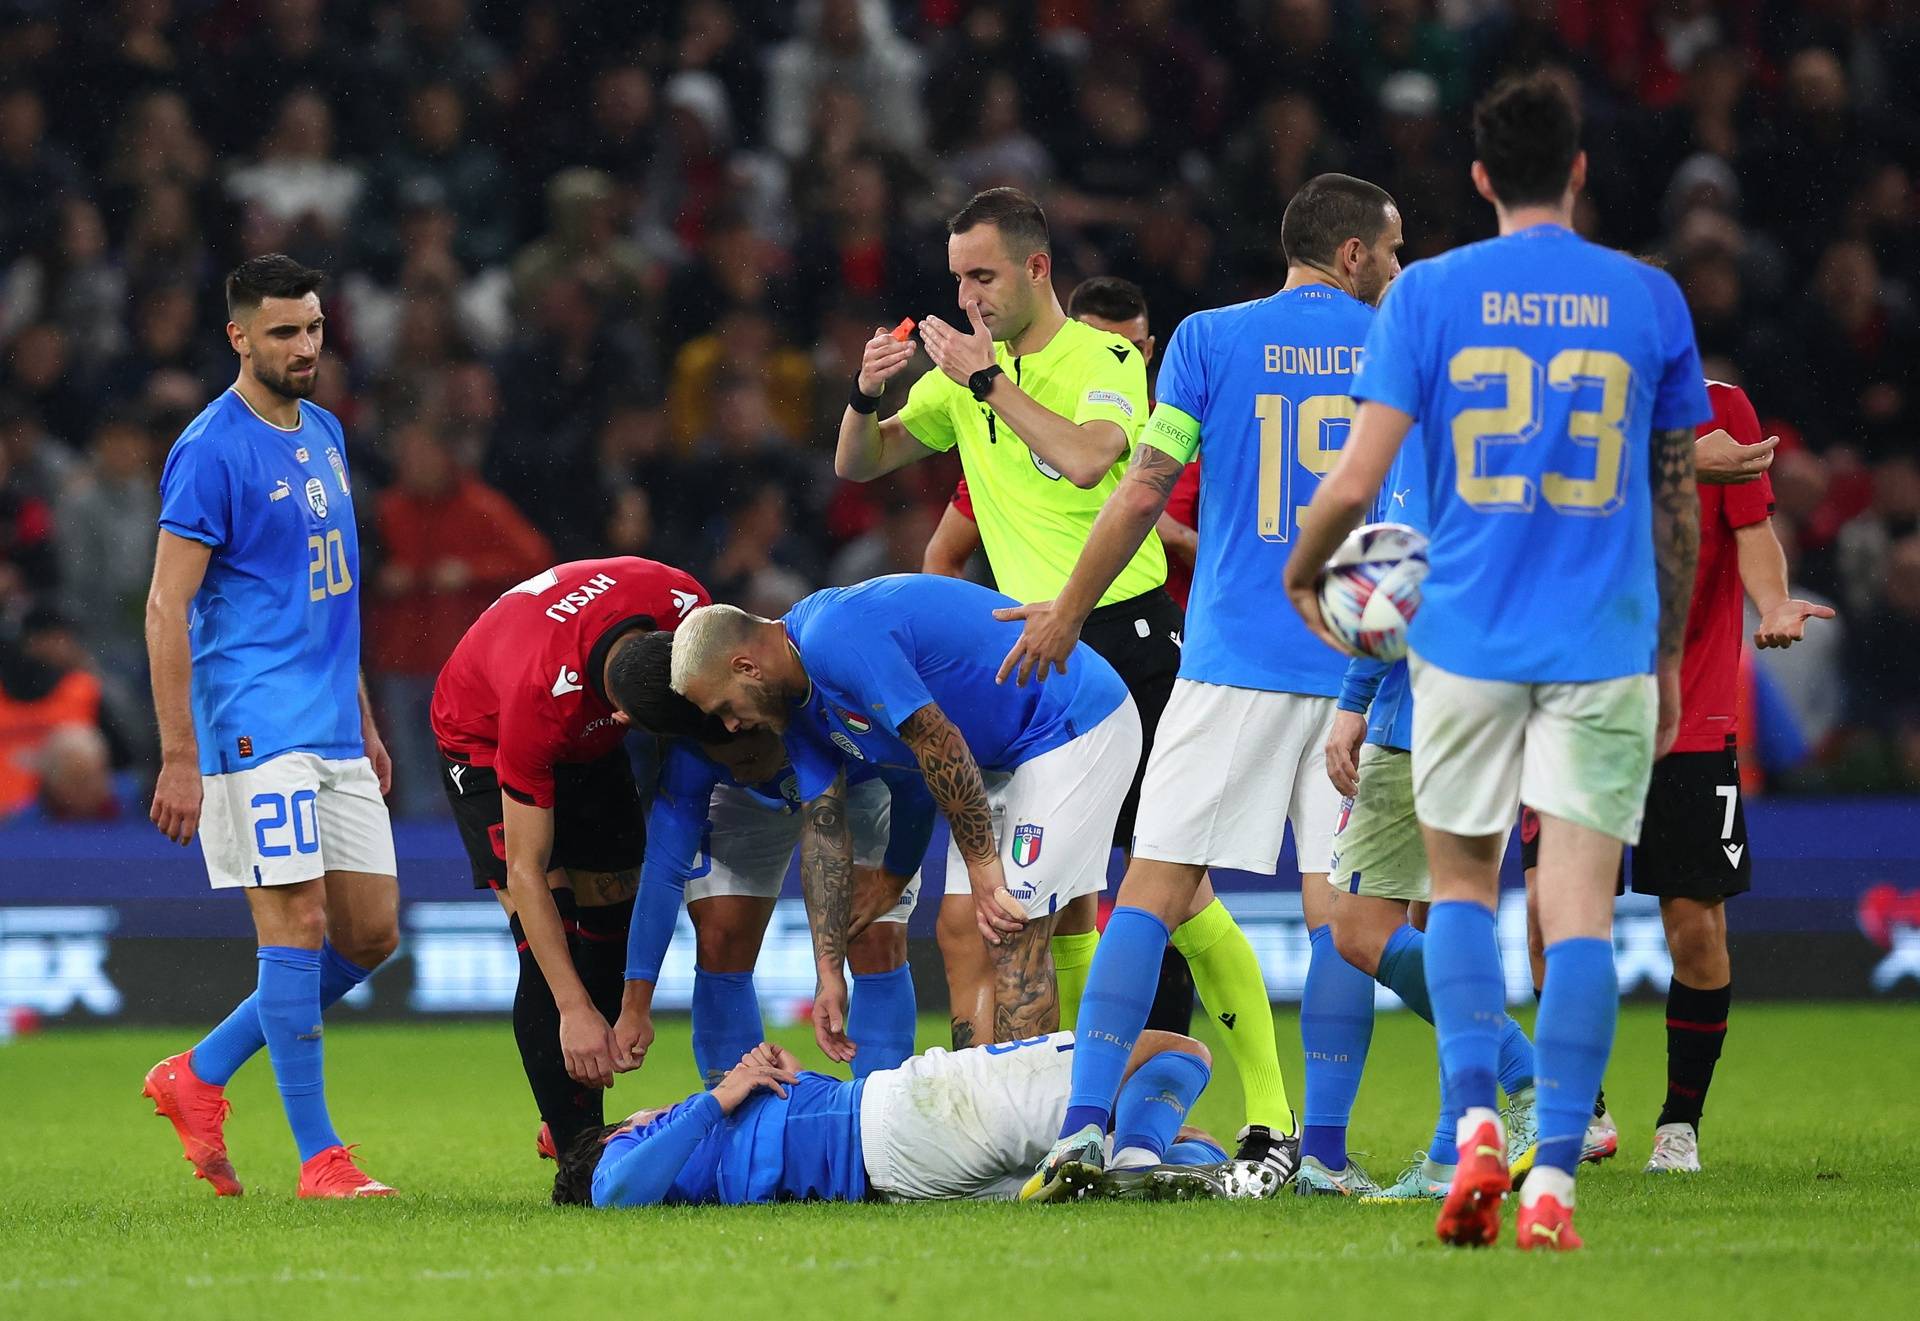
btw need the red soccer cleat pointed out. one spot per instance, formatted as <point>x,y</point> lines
<point>1470,1216</point>
<point>198,1112</point>
<point>1546,1226</point>
<point>332,1173</point>
<point>543,1143</point>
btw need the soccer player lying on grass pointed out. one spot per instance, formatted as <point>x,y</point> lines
<point>723,827</point>
<point>944,1125</point>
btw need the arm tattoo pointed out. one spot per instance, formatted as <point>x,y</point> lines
<point>1156,470</point>
<point>953,778</point>
<point>1676,534</point>
<point>1026,997</point>
<point>826,873</point>
<point>962,1033</point>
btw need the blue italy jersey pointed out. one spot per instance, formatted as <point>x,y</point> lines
<point>805,1146</point>
<point>1537,364</point>
<point>1384,692</point>
<point>879,651</point>
<point>680,834</point>
<point>275,628</point>
<point>1267,383</point>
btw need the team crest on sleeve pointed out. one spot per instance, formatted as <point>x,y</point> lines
<point>339,466</point>
<point>858,723</point>
<point>1026,844</point>
<point>317,497</point>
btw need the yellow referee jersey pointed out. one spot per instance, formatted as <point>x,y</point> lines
<point>1034,522</point>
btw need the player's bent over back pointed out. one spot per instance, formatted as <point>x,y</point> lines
<point>269,752</point>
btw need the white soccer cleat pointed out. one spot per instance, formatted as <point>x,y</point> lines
<point>1602,1140</point>
<point>1676,1150</point>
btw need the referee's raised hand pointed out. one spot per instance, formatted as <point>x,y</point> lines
<point>883,360</point>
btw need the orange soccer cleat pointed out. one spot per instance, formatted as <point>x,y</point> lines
<point>1545,1225</point>
<point>198,1112</point>
<point>332,1173</point>
<point>1470,1216</point>
<point>543,1143</point>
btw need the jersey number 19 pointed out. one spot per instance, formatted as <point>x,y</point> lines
<point>1308,434</point>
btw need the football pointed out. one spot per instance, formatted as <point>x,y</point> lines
<point>1370,589</point>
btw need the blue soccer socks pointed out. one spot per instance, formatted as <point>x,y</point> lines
<point>289,1000</point>
<point>1119,995</point>
<point>1336,1028</point>
<point>881,1020</point>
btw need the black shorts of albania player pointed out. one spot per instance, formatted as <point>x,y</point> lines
<point>598,822</point>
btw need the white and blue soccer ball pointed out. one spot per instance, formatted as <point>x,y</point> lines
<point>1370,590</point>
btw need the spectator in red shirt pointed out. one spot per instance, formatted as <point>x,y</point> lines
<point>450,544</point>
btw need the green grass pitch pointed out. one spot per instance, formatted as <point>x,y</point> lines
<point>1810,1205</point>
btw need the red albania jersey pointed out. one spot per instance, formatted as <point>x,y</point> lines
<point>1710,665</point>
<point>522,691</point>
<point>1183,506</point>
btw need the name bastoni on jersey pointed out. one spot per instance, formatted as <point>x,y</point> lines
<point>1498,309</point>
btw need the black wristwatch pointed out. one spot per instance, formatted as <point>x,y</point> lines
<point>981,382</point>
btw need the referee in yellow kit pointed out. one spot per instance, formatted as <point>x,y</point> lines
<point>1044,411</point>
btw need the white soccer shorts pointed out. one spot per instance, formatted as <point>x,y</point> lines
<point>965,1123</point>
<point>294,818</point>
<point>750,844</point>
<point>1579,751</point>
<point>1053,816</point>
<point>1229,769</point>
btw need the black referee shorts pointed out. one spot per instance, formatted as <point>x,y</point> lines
<point>1140,637</point>
<point>598,824</point>
<point>1693,840</point>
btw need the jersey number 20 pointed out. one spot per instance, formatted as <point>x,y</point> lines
<point>1308,434</point>
<point>327,566</point>
<point>1517,421</point>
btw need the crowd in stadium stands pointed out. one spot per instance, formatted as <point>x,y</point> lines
<point>599,275</point>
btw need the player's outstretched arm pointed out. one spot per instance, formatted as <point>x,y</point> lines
<point>1720,460</point>
<point>1763,572</point>
<point>826,884</point>
<point>1053,627</point>
<point>1341,502</point>
<point>1676,554</point>
<point>868,447</point>
<point>953,778</point>
<point>179,566</point>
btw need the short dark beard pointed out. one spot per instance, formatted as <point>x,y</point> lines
<point>283,385</point>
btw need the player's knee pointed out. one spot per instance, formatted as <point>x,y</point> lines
<point>724,948</point>
<point>301,925</point>
<point>882,947</point>
<point>368,946</point>
<point>1356,943</point>
<point>1695,938</point>
<point>1155,1042</point>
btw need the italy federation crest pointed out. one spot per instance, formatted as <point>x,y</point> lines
<point>1026,845</point>
<point>317,497</point>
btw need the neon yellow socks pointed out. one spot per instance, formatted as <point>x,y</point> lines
<point>1227,976</point>
<point>1072,957</point>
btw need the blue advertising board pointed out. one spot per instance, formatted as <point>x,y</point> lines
<point>108,922</point>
